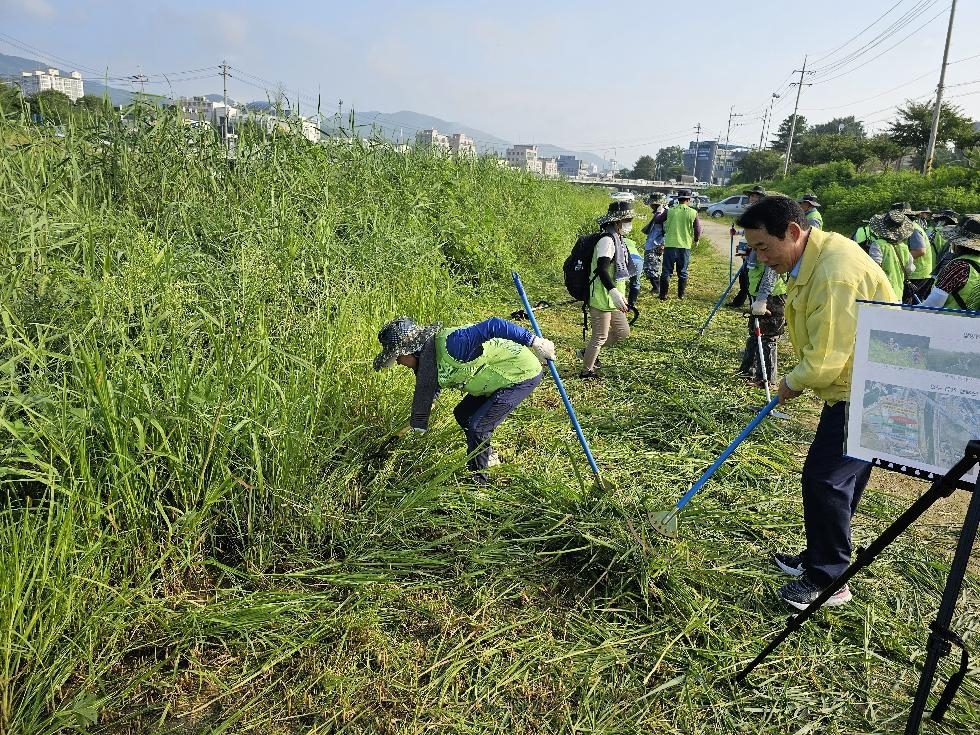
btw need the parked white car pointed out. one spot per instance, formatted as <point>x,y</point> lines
<point>733,205</point>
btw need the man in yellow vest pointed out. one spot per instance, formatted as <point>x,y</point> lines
<point>958,283</point>
<point>682,230</point>
<point>827,275</point>
<point>496,364</point>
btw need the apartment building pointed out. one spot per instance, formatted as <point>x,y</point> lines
<point>433,138</point>
<point>524,157</point>
<point>712,161</point>
<point>462,145</point>
<point>549,167</point>
<point>33,82</point>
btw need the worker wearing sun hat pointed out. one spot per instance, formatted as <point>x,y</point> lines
<point>942,223</point>
<point>891,231</point>
<point>496,363</point>
<point>958,283</point>
<point>613,268</point>
<point>919,247</point>
<point>811,208</point>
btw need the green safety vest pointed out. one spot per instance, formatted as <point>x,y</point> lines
<point>679,227</point>
<point>814,219</point>
<point>967,297</point>
<point>503,363</point>
<point>894,257</point>
<point>598,295</point>
<point>755,278</point>
<point>924,263</point>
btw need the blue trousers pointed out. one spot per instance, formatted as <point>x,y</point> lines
<point>832,488</point>
<point>478,416</point>
<point>676,257</point>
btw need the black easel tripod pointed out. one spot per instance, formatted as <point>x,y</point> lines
<point>941,636</point>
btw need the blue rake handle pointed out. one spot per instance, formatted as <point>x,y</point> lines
<point>556,377</point>
<point>726,454</point>
<point>721,300</point>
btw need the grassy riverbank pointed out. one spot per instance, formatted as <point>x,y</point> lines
<point>205,529</point>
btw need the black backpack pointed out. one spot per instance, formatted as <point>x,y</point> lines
<point>578,266</point>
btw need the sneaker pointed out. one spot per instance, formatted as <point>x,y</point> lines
<point>801,592</point>
<point>791,564</point>
<point>580,354</point>
<point>493,459</point>
<point>589,374</point>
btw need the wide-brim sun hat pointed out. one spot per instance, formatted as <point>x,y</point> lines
<point>402,336</point>
<point>617,212</point>
<point>760,190</point>
<point>810,199</point>
<point>947,215</point>
<point>892,226</point>
<point>903,207</point>
<point>966,234</point>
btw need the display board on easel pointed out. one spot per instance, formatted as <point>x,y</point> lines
<point>915,390</point>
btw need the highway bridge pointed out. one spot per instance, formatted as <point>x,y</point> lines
<point>637,186</point>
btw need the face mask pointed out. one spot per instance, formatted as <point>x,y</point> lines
<point>627,228</point>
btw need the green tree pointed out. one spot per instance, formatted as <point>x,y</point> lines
<point>813,149</point>
<point>849,126</point>
<point>94,106</point>
<point>758,166</point>
<point>912,128</point>
<point>51,106</point>
<point>781,142</point>
<point>645,168</point>
<point>886,150</point>
<point>669,163</point>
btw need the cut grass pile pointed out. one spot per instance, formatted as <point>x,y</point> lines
<point>206,529</point>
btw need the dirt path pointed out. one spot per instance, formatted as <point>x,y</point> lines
<point>718,232</point>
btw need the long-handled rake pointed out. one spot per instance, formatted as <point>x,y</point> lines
<point>757,328</point>
<point>665,522</point>
<point>720,300</point>
<point>599,483</point>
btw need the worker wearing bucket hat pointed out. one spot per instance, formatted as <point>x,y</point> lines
<point>811,208</point>
<point>826,276</point>
<point>958,283</point>
<point>891,231</point>
<point>496,364</point>
<point>921,251</point>
<point>942,223</point>
<point>613,268</point>
<point>653,249</point>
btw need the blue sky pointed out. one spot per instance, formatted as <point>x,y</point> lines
<point>619,79</point>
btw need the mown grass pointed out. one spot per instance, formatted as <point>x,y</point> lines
<point>207,530</point>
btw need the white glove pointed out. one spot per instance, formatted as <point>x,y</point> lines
<point>910,266</point>
<point>543,349</point>
<point>760,307</point>
<point>618,301</point>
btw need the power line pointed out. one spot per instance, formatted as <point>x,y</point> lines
<point>891,30</point>
<point>859,33</point>
<point>901,41</point>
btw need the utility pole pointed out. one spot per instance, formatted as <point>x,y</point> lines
<point>224,100</point>
<point>767,118</point>
<point>697,150</point>
<point>934,131</point>
<point>796,107</point>
<point>728,134</point>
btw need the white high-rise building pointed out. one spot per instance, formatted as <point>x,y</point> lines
<point>32,82</point>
